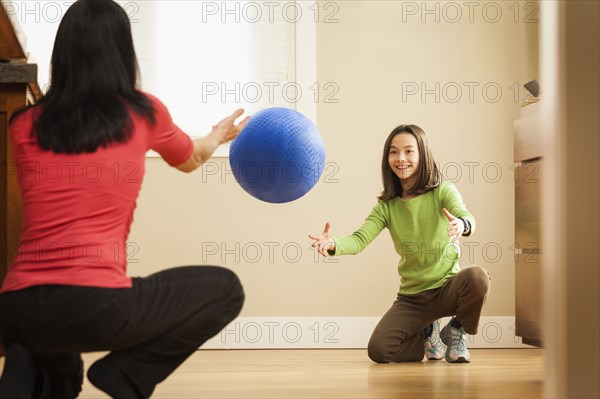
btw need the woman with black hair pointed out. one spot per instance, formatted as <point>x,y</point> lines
<point>79,154</point>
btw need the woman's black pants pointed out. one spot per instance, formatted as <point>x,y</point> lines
<point>149,329</point>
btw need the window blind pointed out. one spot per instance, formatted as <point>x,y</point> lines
<point>204,59</point>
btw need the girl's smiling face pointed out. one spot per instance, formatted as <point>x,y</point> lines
<point>404,158</point>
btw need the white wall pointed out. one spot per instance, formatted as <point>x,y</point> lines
<point>371,53</point>
<point>454,68</point>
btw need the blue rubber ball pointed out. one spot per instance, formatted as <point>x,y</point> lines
<point>279,156</point>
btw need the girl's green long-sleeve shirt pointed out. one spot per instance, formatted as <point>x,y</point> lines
<point>419,230</point>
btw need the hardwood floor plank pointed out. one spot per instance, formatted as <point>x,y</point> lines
<point>346,374</point>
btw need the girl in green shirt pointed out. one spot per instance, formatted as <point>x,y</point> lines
<point>425,217</point>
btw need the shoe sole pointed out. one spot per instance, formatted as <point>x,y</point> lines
<point>459,360</point>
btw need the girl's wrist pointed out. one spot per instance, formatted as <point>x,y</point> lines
<point>467,227</point>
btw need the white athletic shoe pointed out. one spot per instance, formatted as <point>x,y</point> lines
<point>434,347</point>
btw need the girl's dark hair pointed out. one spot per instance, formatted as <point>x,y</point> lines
<point>428,174</point>
<point>94,73</point>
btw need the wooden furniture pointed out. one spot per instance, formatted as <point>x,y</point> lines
<point>528,273</point>
<point>18,88</point>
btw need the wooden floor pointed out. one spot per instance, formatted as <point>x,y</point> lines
<point>347,374</point>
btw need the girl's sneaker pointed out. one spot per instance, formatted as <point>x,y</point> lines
<point>454,338</point>
<point>434,347</point>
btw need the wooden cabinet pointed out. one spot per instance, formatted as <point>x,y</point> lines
<point>12,96</point>
<point>528,262</point>
<point>18,88</point>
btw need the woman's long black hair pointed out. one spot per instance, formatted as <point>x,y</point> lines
<point>94,73</point>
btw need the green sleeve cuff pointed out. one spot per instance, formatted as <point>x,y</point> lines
<point>333,253</point>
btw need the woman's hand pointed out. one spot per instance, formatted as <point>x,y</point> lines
<point>221,133</point>
<point>323,242</point>
<point>456,227</point>
<point>226,130</point>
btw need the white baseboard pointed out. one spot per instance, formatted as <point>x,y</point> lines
<point>339,332</point>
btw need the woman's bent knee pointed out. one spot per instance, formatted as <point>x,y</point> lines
<point>236,296</point>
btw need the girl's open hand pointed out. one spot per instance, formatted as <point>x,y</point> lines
<point>323,242</point>
<point>456,227</point>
